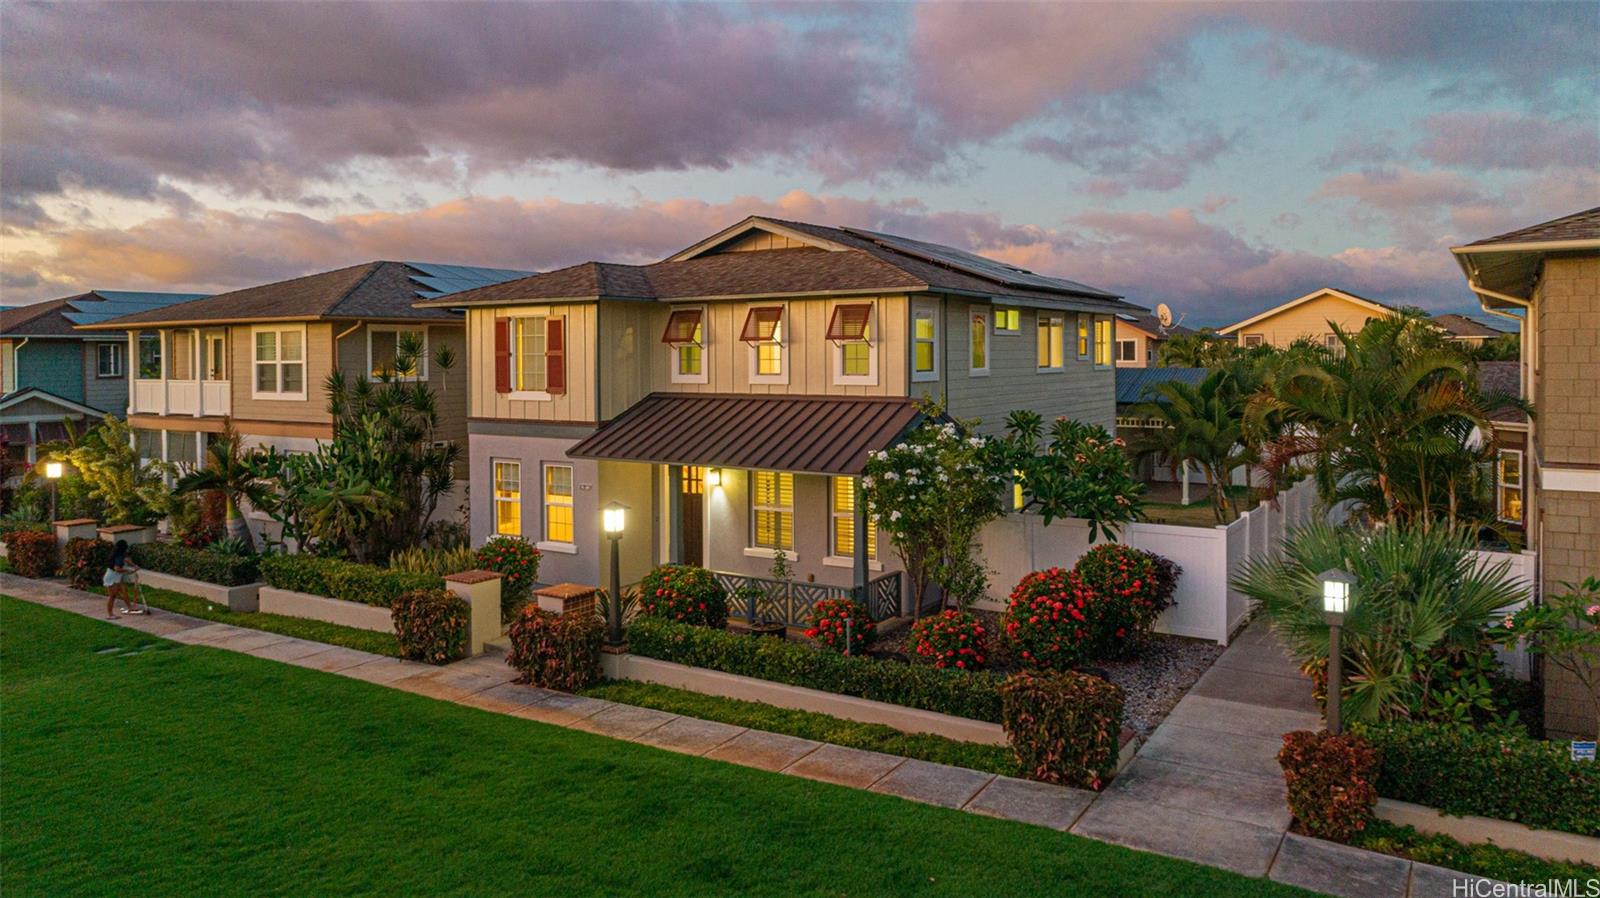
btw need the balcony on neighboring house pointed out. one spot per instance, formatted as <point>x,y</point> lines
<point>181,372</point>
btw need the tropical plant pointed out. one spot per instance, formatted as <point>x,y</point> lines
<point>1203,424</point>
<point>1081,473</point>
<point>517,562</point>
<point>1420,607</point>
<point>134,490</point>
<point>421,560</point>
<point>950,638</point>
<point>287,478</point>
<point>227,471</point>
<point>1198,349</point>
<point>1564,628</point>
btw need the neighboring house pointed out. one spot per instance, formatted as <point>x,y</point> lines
<point>728,395</point>
<point>260,356</point>
<point>1136,385</point>
<point>1546,278</point>
<point>1139,339</point>
<point>1504,379</point>
<point>1309,316</point>
<point>1464,330</point>
<point>50,372</point>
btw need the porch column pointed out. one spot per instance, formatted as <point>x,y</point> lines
<point>860,541</point>
<point>674,514</point>
<point>1185,476</point>
<point>199,375</point>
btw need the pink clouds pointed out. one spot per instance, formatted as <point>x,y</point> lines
<point>1490,140</point>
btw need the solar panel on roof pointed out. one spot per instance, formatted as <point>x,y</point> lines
<point>438,279</point>
<point>974,264</point>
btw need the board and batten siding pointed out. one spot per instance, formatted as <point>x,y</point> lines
<point>576,405</point>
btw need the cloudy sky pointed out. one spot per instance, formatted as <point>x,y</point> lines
<point>1215,157</point>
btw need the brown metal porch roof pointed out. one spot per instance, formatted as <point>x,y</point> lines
<point>802,434</point>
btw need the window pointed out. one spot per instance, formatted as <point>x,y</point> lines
<point>1510,485</point>
<point>108,359</point>
<point>1251,340</point>
<point>216,346</point>
<point>150,356</point>
<point>280,362</point>
<point>1102,341</point>
<point>530,337</point>
<point>1083,336</point>
<point>180,363</point>
<point>850,333</point>
<point>558,503</point>
<point>508,498</point>
<point>385,345</point>
<point>1052,330</point>
<point>147,443</point>
<point>1008,321</point>
<point>979,348</point>
<point>772,510</point>
<point>925,343</point>
<point>685,335</point>
<point>183,448</point>
<point>843,517</point>
<point>1018,498</point>
<point>763,330</point>
<point>1127,350</point>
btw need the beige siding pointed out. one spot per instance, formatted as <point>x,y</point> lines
<point>629,343</point>
<point>1569,362</point>
<point>1309,319</point>
<point>758,240</point>
<point>578,404</point>
<point>319,364</point>
<point>449,387</point>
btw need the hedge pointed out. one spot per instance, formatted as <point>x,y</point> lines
<point>32,553</point>
<point>345,580</point>
<point>8,525</point>
<point>1329,780</point>
<point>556,651</point>
<point>196,564</point>
<point>1503,775</point>
<point>1065,727</point>
<point>975,695</point>
<point>85,560</point>
<point>431,625</point>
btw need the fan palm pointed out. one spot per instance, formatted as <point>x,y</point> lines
<point>1201,423</point>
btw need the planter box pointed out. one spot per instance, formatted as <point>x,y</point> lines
<point>332,611</point>
<point>76,528</point>
<point>1548,844</point>
<point>133,533</point>
<point>245,597</point>
<point>799,698</point>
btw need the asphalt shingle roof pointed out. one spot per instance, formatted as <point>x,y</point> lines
<point>1583,225</point>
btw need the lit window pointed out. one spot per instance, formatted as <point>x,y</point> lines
<point>1510,485</point>
<point>843,512</point>
<point>685,333</point>
<point>280,361</point>
<point>763,330</point>
<point>980,343</point>
<point>108,360</point>
<point>1083,336</point>
<point>508,498</point>
<point>850,329</point>
<point>1052,330</point>
<point>386,346</point>
<point>1008,321</point>
<point>529,336</point>
<point>772,509</point>
<point>558,503</point>
<point>924,343</point>
<point>1018,499</point>
<point>1102,341</point>
<point>1127,350</point>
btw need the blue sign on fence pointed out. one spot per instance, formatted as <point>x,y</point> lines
<point>1582,751</point>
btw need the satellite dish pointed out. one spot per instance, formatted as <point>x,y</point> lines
<point>1164,315</point>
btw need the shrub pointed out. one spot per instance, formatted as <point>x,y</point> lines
<point>1330,780</point>
<point>32,552</point>
<point>431,625</point>
<point>196,564</point>
<point>1065,727</point>
<point>345,580</point>
<point>1046,621</point>
<point>556,651</point>
<point>975,695</point>
<point>517,562</point>
<point>1131,588</point>
<point>12,525</point>
<point>684,593</point>
<point>85,561</point>
<point>442,562</point>
<point>828,618</point>
<point>1487,773</point>
<point>950,638</point>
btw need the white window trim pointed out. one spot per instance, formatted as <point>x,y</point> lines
<point>512,328</point>
<point>988,349</point>
<point>874,339</point>
<point>117,353</point>
<point>206,337</point>
<point>850,562</point>
<point>545,503</point>
<point>1244,340</point>
<point>397,330</point>
<point>305,363</point>
<point>931,310</point>
<point>494,500</point>
<point>705,349</point>
<point>833,521</point>
<point>785,341</point>
<point>1500,485</point>
<point>763,552</point>
<point>751,549</point>
<point>1132,356</point>
<point>1039,318</point>
<point>1008,331</point>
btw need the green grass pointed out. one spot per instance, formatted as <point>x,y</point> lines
<point>139,766</point>
<point>810,725</point>
<point>1198,513</point>
<point>314,630</point>
<point>1483,859</point>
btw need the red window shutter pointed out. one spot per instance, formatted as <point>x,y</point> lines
<point>681,326</point>
<point>849,323</point>
<point>761,324</point>
<point>555,358</point>
<point>502,355</point>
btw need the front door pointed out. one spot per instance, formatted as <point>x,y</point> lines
<point>691,505</point>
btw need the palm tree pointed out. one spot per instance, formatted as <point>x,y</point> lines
<point>1202,424</point>
<point>228,471</point>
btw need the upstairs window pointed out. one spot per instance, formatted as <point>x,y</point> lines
<point>1509,499</point>
<point>685,334</point>
<point>1052,331</point>
<point>1127,350</point>
<point>530,355</point>
<point>386,345</point>
<point>925,343</point>
<point>772,510</point>
<point>1083,336</point>
<point>216,346</point>
<point>850,332</point>
<point>280,367</point>
<point>763,330</point>
<point>1008,322</point>
<point>1252,340</point>
<point>1102,342</point>
<point>108,359</point>
<point>149,356</point>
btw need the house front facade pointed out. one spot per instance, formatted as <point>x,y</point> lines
<point>1139,339</point>
<point>1546,280</point>
<point>726,397</point>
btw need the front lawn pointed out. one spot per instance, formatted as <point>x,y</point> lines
<point>298,627</point>
<point>133,765</point>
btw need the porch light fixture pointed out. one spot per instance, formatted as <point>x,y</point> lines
<point>713,477</point>
<point>612,520</point>
<point>1336,588</point>
<point>52,470</point>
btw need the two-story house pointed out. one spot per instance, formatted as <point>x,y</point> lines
<point>51,373</point>
<point>1546,279</point>
<point>1139,338</point>
<point>727,396</point>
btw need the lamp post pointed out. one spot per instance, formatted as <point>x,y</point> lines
<point>612,521</point>
<point>52,473</point>
<point>1336,585</point>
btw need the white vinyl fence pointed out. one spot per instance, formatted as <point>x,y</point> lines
<point>1523,568</point>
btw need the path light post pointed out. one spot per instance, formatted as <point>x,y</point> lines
<point>1336,586</point>
<point>613,520</point>
<point>52,473</point>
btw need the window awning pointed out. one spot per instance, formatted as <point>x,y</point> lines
<point>800,434</point>
<point>681,327</point>
<point>761,324</point>
<point>849,322</point>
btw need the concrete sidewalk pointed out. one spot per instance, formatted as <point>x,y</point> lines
<point>1206,787</point>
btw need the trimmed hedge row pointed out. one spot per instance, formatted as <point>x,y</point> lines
<point>196,564</point>
<point>431,625</point>
<point>32,553</point>
<point>10,526</point>
<point>1064,727</point>
<point>974,695</point>
<point>85,560</point>
<point>556,651</point>
<point>1502,775</point>
<point>345,580</point>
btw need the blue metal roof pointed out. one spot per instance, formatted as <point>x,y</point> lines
<point>441,280</point>
<point>1134,384</point>
<point>103,305</point>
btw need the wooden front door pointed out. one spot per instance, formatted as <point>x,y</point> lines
<point>691,505</point>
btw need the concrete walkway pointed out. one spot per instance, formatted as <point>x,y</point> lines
<point>1206,787</point>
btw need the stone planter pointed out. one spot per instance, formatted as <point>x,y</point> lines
<point>133,533</point>
<point>75,528</point>
<point>333,611</point>
<point>1548,844</point>
<point>245,597</point>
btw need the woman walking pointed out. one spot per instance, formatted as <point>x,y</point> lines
<point>118,575</point>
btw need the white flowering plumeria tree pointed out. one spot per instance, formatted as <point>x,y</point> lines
<point>931,494</point>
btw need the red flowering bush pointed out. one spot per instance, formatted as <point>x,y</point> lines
<point>684,593</point>
<point>1102,609</point>
<point>85,562</point>
<point>431,625</point>
<point>828,617</point>
<point>517,562</point>
<point>950,638</point>
<point>1331,782</point>
<point>556,651</point>
<point>1047,622</point>
<point>32,553</point>
<point>1063,727</point>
